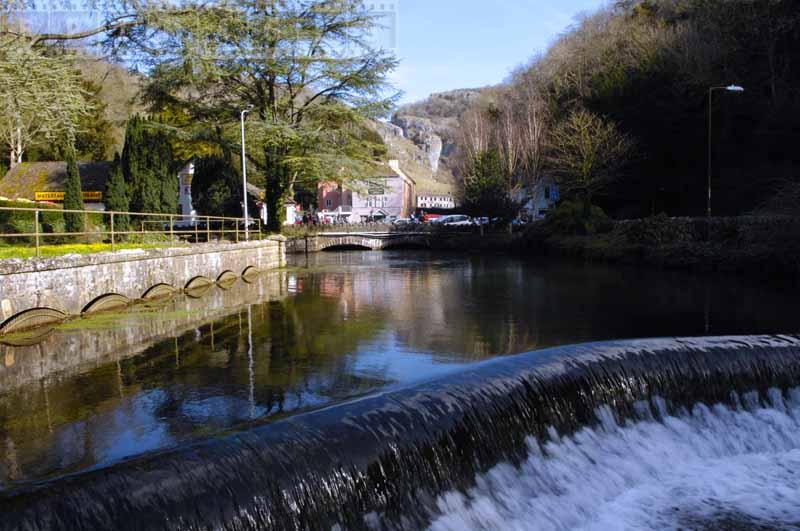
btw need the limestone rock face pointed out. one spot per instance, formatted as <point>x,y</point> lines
<point>422,132</point>
<point>388,131</point>
<point>432,125</point>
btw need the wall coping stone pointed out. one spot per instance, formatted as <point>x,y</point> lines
<point>12,266</point>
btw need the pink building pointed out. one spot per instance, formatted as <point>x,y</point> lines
<point>389,193</point>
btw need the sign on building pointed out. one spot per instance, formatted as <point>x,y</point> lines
<point>59,196</point>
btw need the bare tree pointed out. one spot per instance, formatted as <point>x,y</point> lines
<point>586,154</point>
<point>534,119</point>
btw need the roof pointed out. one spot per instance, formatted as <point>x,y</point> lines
<point>24,179</point>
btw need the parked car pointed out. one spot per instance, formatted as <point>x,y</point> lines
<point>403,222</point>
<point>456,220</point>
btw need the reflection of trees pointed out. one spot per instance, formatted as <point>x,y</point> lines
<point>300,357</point>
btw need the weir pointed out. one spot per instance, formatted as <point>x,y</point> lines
<point>390,460</point>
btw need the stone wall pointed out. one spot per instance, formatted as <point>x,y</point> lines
<point>762,245</point>
<point>68,284</point>
<point>63,351</point>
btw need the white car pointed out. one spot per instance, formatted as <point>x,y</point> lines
<point>456,220</point>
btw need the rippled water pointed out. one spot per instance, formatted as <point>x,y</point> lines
<point>94,392</point>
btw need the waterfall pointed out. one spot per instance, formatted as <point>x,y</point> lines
<point>564,437</point>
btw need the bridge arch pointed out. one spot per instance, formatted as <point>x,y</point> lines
<point>350,242</point>
<point>371,241</point>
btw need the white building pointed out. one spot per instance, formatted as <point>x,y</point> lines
<point>435,201</point>
<point>538,199</point>
<point>185,193</point>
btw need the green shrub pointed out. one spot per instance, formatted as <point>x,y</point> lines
<point>569,218</point>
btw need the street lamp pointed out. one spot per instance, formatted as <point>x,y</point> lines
<point>244,177</point>
<point>729,88</point>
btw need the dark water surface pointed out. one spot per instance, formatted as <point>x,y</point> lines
<point>93,392</point>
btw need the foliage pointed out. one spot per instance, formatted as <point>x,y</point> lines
<point>148,168</point>
<point>647,66</point>
<point>41,95</point>
<point>570,217</point>
<point>94,139</point>
<point>217,188</point>
<point>73,195</point>
<point>586,155</point>
<point>486,188</point>
<point>303,67</point>
<point>116,196</point>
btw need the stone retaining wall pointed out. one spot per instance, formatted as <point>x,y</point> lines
<point>68,285</point>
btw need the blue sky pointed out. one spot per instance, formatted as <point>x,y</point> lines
<point>449,44</point>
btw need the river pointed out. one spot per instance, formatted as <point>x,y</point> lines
<point>336,326</point>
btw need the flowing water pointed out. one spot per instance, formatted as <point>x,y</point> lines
<point>359,391</point>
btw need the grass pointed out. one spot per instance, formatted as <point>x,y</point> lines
<point>48,251</point>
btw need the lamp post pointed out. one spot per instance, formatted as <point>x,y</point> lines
<point>729,88</point>
<point>244,177</point>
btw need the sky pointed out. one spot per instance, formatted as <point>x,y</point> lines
<point>450,44</point>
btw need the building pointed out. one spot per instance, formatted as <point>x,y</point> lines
<point>46,181</point>
<point>538,199</point>
<point>185,192</point>
<point>389,192</point>
<point>443,201</point>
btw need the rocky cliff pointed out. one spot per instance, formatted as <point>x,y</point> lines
<point>432,126</point>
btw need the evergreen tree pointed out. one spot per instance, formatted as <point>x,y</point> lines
<point>73,195</point>
<point>149,169</point>
<point>117,196</point>
<point>486,187</point>
<point>216,187</point>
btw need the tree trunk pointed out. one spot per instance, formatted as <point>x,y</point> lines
<point>587,205</point>
<point>15,154</point>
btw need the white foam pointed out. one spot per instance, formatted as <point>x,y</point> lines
<point>690,469</point>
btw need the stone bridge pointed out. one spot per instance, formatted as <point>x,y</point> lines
<point>367,240</point>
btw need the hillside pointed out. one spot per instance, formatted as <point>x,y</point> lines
<point>414,161</point>
<point>119,91</point>
<point>432,126</point>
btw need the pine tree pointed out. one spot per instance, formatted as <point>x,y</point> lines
<point>73,195</point>
<point>486,187</point>
<point>117,196</point>
<point>216,187</point>
<point>148,168</point>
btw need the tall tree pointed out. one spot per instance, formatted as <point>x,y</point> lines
<point>305,69</point>
<point>73,194</point>
<point>116,196</point>
<point>148,168</point>
<point>486,191</point>
<point>586,154</point>
<point>216,187</point>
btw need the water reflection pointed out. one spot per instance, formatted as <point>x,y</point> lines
<point>336,327</point>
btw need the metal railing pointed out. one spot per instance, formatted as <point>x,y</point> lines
<point>40,225</point>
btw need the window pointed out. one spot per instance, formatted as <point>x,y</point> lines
<point>328,203</point>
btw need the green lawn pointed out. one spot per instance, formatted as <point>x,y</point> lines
<point>29,251</point>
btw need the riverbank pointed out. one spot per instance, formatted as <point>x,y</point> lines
<point>35,292</point>
<point>747,244</point>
